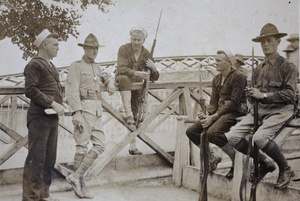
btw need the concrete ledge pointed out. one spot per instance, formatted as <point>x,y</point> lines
<point>217,185</point>
<point>108,178</point>
<point>15,175</point>
<point>142,170</point>
<point>220,187</point>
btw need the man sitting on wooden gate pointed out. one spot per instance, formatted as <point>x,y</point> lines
<point>132,63</point>
<point>275,86</point>
<point>227,102</point>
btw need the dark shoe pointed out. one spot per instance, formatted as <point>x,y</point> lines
<point>130,123</point>
<point>229,175</point>
<point>75,182</point>
<point>135,152</point>
<point>213,162</point>
<point>284,178</point>
<point>263,170</point>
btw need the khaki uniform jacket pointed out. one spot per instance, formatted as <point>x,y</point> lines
<point>276,77</point>
<point>83,86</point>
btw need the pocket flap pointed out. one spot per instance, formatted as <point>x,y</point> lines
<point>258,84</point>
<point>274,84</point>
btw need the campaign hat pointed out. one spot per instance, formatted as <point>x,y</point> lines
<point>289,48</point>
<point>293,37</point>
<point>268,30</point>
<point>90,41</point>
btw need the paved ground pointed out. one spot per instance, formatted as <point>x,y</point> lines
<point>153,193</point>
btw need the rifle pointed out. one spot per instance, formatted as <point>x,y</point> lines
<point>255,148</point>
<point>143,107</point>
<point>204,159</point>
<point>243,184</point>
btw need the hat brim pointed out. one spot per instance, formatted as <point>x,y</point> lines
<point>89,45</point>
<point>242,62</point>
<point>288,50</point>
<point>258,38</point>
<point>292,38</point>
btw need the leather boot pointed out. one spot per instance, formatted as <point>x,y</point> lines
<point>75,179</point>
<point>231,153</point>
<point>284,178</point>
<point>285,172</point>
<point>132,147</point>
<point>75,182</point>
<point>86,193</point>
<point>265,166</point>
<point>214,160</point>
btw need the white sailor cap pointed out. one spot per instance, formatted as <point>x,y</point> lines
<point>139,29</point>
<point>42,36</point>
<point>229,55</point>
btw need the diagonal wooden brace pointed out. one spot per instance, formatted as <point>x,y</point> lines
<point>98,167</point>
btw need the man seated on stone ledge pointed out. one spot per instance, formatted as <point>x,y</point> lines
<point>226,104</point>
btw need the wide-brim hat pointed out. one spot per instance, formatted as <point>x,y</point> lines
<point>229,55</point>
<point>289,48</point>
<point>90,41</point>
<point>268,30</point>
<point>239,58</point>
<point>293,37</point>
<point>42,36</point>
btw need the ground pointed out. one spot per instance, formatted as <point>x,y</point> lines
<point>153,193</point>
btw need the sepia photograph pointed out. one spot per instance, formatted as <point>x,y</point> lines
<point>149,100</point>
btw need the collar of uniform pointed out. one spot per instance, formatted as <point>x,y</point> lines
<point>272,59</point>
<point>142,50</point>
<point>38,57</point>
<point>88,60</point>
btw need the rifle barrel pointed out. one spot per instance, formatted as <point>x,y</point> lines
<point>154,41</point>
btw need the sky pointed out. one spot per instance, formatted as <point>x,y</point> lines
<point>187,27</point>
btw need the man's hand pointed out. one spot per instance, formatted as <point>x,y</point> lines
<point>58,108</point>
<point>78,122</point>
<point>254,93</point>
<point>150,64</point>
<point>142,74</point>
<point>202,115</point>
<point>209,120</point>
<point>111,88</point>
<point>67,107</point>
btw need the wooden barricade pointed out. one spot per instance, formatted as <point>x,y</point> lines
<point>182,91</point>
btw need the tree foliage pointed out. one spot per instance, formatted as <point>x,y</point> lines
<point>23,20</point>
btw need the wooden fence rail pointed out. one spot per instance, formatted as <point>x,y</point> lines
<point>182,92</point>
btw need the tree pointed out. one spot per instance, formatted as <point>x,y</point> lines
<point>23,20</point>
